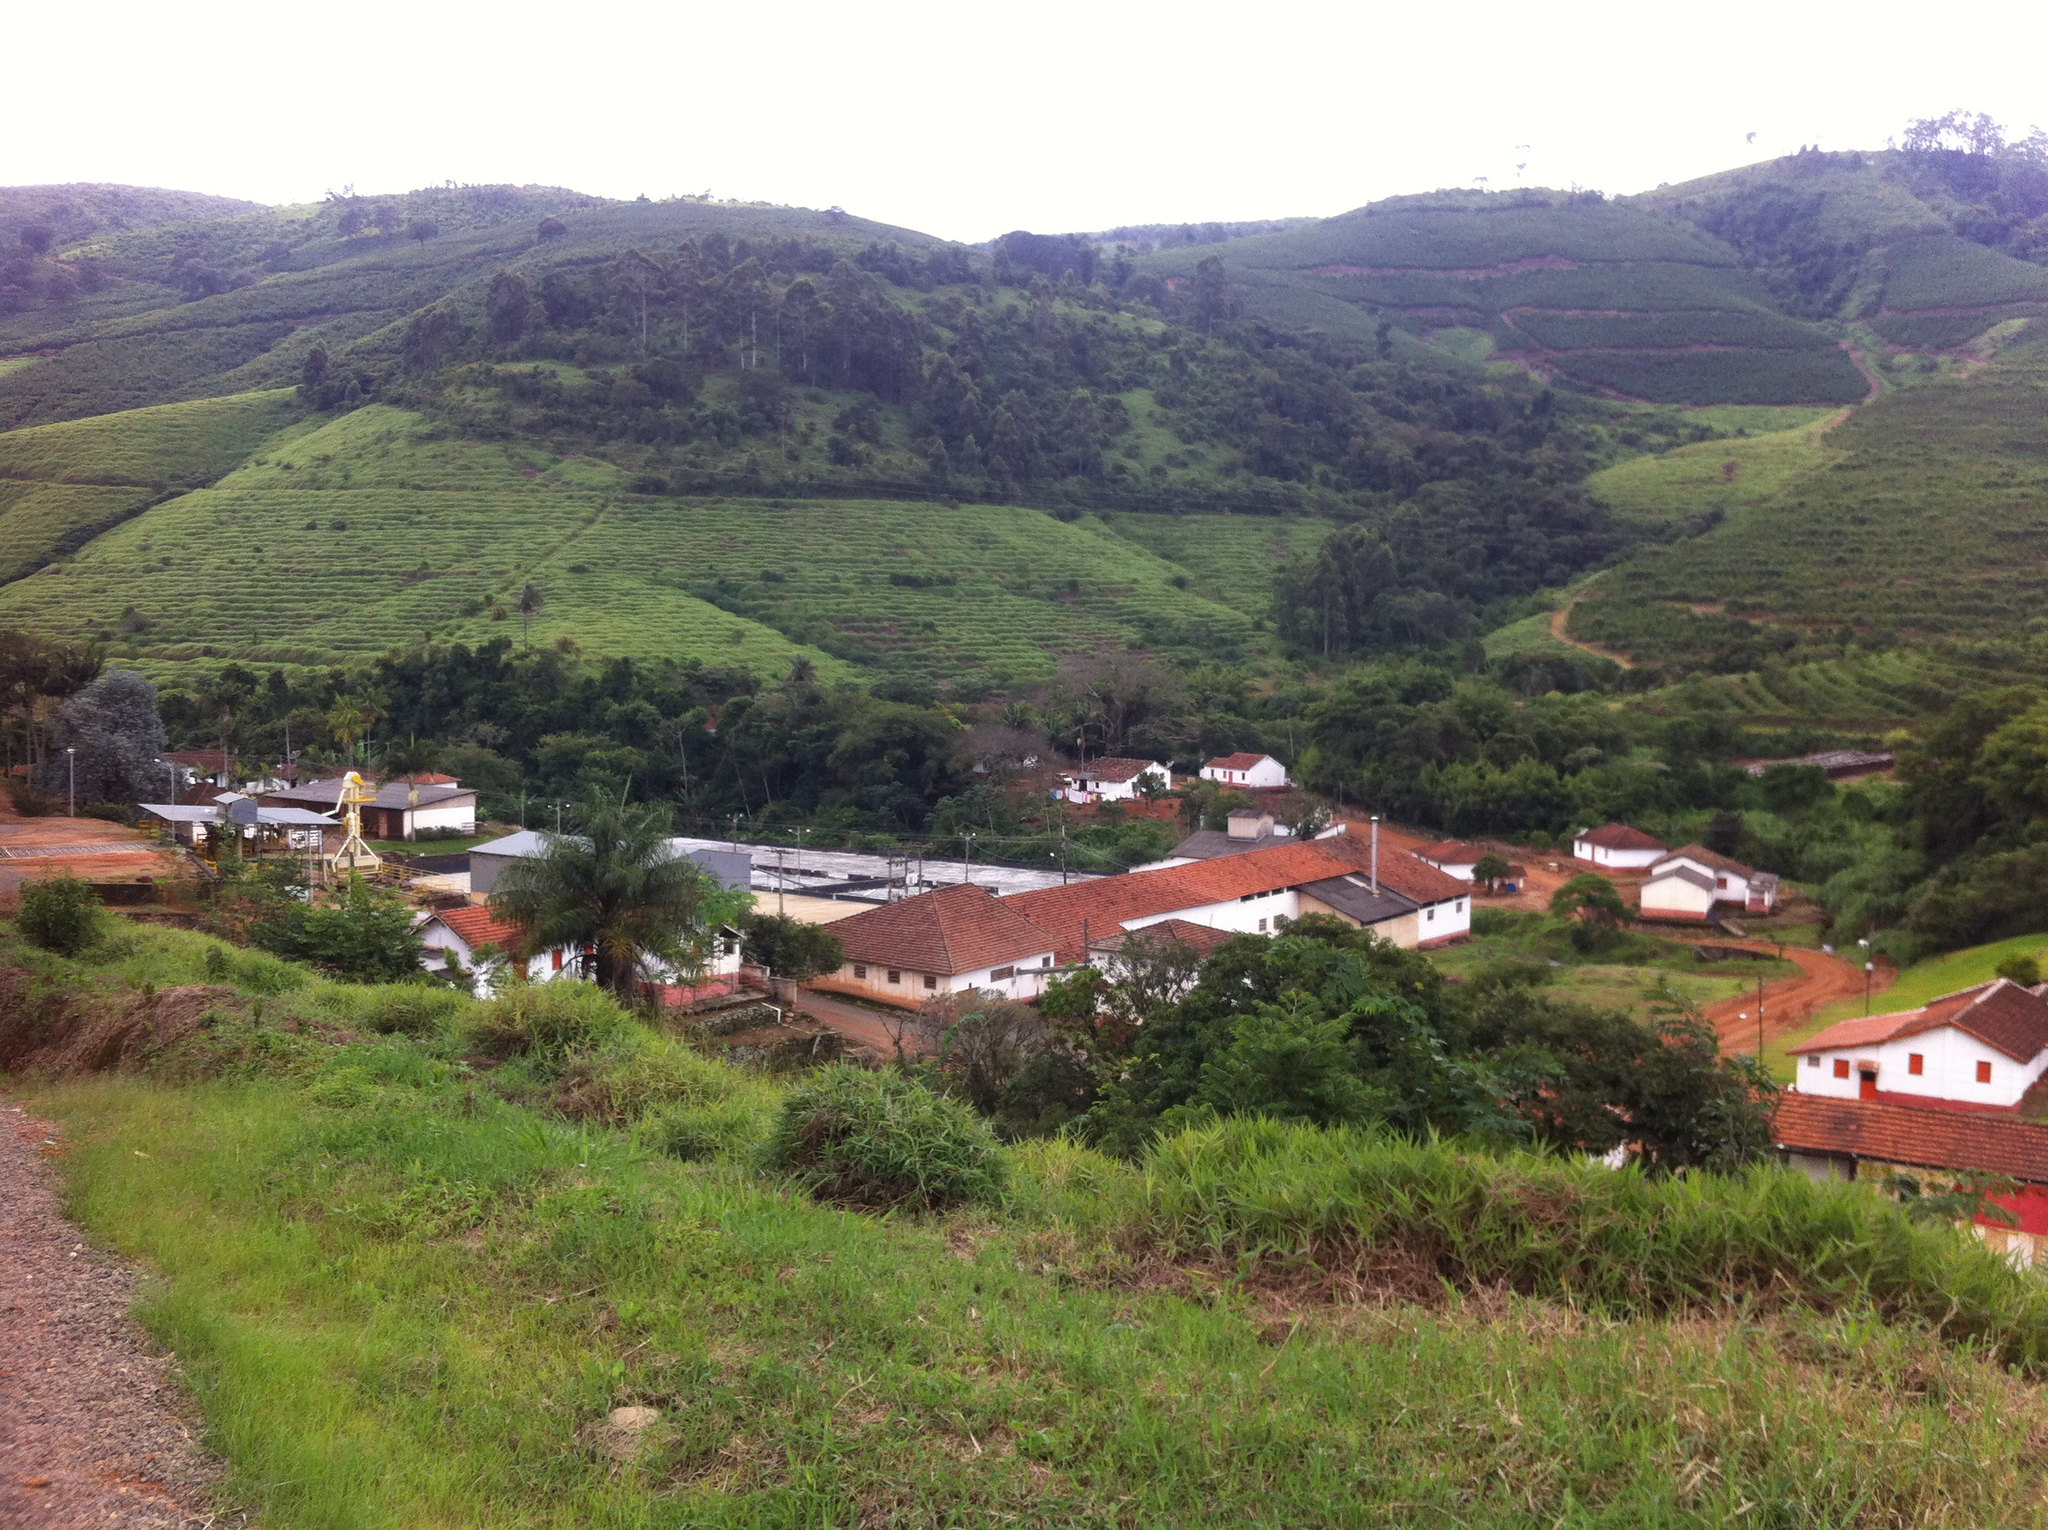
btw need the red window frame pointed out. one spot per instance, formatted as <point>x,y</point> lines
<point>1916,1064</point>
<point>1983,1072</point>
<point>1841,1067</point>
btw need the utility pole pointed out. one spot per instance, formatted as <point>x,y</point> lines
<point>1375,855</point>
<point>778,882</point>
<point>558,820</point>
<point>967,857</point>
<point>71,789</point>
<point>1867,967</point>
<point>1759,1019</point>
<point>1063,850</point>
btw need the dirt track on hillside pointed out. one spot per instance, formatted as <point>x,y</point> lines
<point>1789,1003</point>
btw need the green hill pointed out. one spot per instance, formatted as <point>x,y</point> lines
<point>1605,294</point>
<point>1918,521</point>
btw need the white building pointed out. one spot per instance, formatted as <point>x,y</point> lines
<point>959,939</point>
<point>1982,1046</point>
<point>1253,772</point>
<point>1687,883</point>
<point>1453,857</point>
<point>1113,779</point>
<point>463,932</point>
<point>1618,847</point>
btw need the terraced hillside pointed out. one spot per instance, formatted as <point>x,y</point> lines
<point>1892,239</point>
<point>1922,520</point>
<point>1613,297</point>
<point>236,303</point>
<point>376,529</point>
<point>62,485</point>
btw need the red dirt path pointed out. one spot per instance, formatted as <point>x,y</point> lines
<point>1789,1003</point>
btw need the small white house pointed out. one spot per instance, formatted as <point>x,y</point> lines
<point>1253,772</point>
<point>1618,847</point>
<point>463,932</point>
<point>1453,857</point>
<point>1981,1046</point>
<point>1112,779</point>
<point>1678,883</point>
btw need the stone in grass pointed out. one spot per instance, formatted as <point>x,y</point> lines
<point>624,1432</point>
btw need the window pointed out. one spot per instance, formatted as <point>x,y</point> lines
<point>930,981</point>
<point>1812,1059</point>
<point>1721,884</point>
<point>999,975</point>
<point>1430,915</point>
<point>895,976</point>
<point>1916,1063</point>
<point>557,955</point>
<point>1460,908</point>
<point>1983,1072</point>
<point>1262,926</point>
<point>859,971</point>
<point>1045,961</point>
<point>1841,1067</point>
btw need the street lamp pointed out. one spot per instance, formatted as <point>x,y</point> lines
<point>71,783</point>
<point>1868,967</point>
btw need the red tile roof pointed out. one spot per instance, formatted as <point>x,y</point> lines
<point>1456,851</point>
<point>201,759</point>
<point>478,926</point>
<point>1709,859</point>
<point>2001,1014</point>
<point>1085,910</point>
<point>1906,1134</point>
<point>1619,836</point>
<point>1202,937</point>
<point>1114,768</point>
<point>956,929</point>
<point>1236,761</point>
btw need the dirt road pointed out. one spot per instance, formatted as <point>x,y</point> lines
<point>861,1026</point>
<point>95,1432</point>
<point>1789,1003</point>
<point>1560,619</point>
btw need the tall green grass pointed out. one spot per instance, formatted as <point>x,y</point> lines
<point>405,1289</point>
<point>1265,1193</point>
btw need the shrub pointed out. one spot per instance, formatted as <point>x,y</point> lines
<point>881,1140</point>
<point>1419,1215</point>
<point>726,1128</point>
<point>60,915</point>
<point>2022,969</point>
<point>28,802</point>
<point>649,1072</point>
<point>549,1021</point>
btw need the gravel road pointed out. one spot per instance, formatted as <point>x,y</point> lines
<point>95,1431</point>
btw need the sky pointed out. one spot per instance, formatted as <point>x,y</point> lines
<point>966,121</point>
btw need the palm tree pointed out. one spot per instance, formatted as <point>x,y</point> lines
<point>616,891</point>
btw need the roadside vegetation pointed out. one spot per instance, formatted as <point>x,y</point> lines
<point>414,1249</point>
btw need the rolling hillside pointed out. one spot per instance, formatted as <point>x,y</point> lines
<point>1609,296</point>
<point>1918,522</point>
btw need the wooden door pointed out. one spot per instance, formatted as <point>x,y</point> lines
<point>1867,1090</point>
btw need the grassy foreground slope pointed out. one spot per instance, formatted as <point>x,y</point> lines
<point>1605,294</point>
<point>408,1291</point>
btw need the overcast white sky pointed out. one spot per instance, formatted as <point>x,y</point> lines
<point>967,120</point>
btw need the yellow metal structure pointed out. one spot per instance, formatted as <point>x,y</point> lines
<point>353,854</point>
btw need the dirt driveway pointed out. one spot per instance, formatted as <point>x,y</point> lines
<point>1790,1003</point>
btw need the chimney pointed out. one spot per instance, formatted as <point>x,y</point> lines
<point>1249,823</point>
<point>1375,855</point>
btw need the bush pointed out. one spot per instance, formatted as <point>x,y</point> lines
<point>28,802</point>
<point>2022,969</point>
<point>880,1140</point>
<point>726,1128</point>
<point>646,1073</point>
<point>549,1021</point>
<point>1419,1215</point>
<point>60,915</point>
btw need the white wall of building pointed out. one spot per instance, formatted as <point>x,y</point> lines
<point>1621,860</point>
<point>1268,773</point>
<point>1729,886</point>
<point>439,940</point>
<point>1949,1060</point>
<point>1245,916</point>
<point>449,815</point>
<point>1081,787</point>
<point>1676,895</point>
<point>1023,979</point>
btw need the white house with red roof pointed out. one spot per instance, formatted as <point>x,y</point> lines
<point>1980,1048</point>
<point>1253,772</point>
<point>955,940</point>
<point>1453,857</point>
<point>1688,883</point>
<point>460,933</point>
<point>1113,779</point>
<point>1618,847</point>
